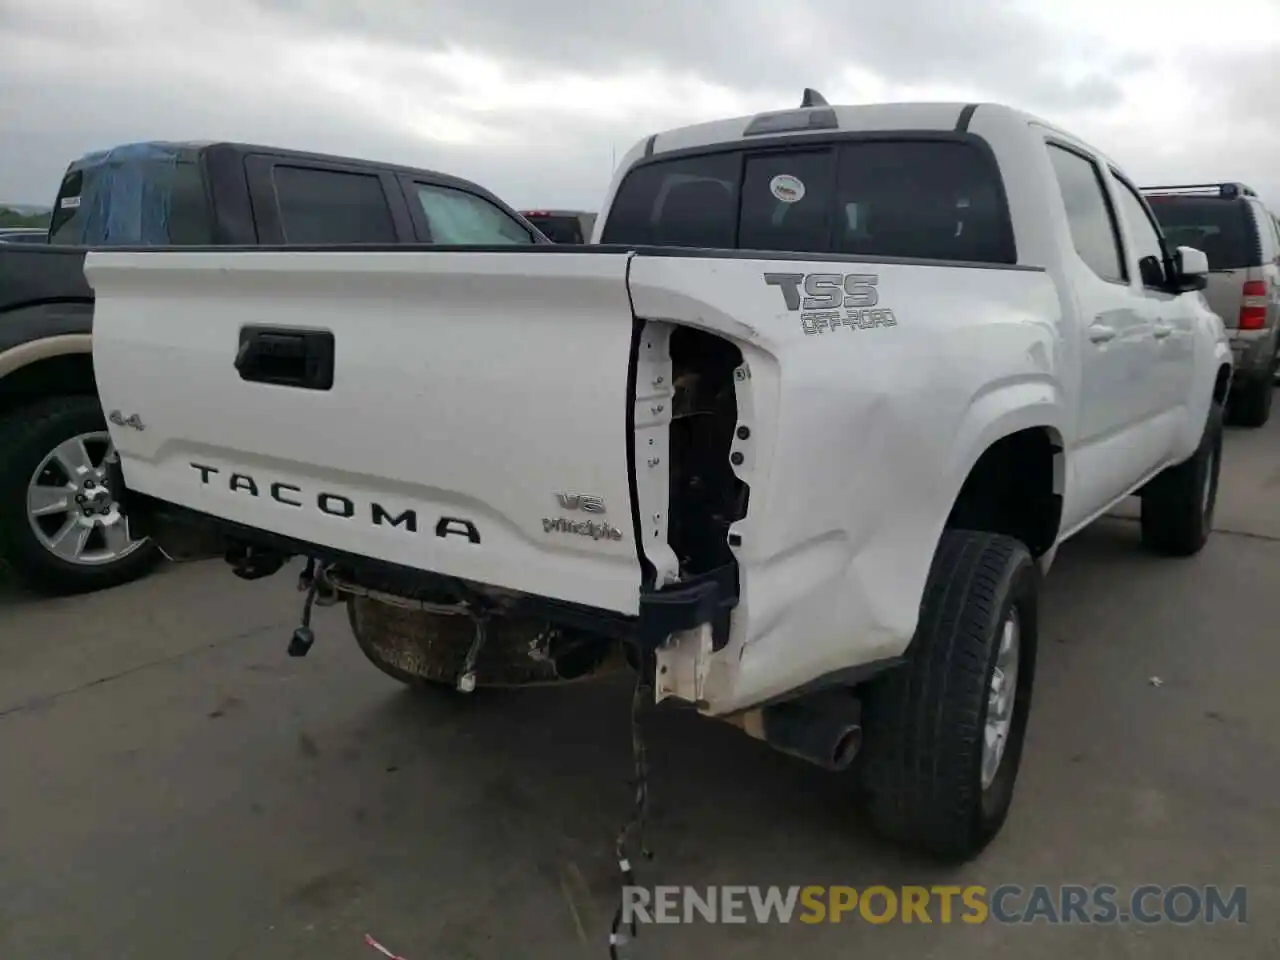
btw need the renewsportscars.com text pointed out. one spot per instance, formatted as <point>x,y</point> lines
<point>1063,904</point>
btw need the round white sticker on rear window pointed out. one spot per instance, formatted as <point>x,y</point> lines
<point>787,188</point>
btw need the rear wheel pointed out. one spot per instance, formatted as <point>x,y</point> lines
<point>943,734</point>
<point>1178,505</point>
<point>60,527</point>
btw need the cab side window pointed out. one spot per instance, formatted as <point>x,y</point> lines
<point>1148,247</point>
<point>1089,213</point>
<point>456,217</point>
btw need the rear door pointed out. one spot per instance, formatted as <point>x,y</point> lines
<point>305,202</point>
<point>1116,353</point>
<point>1170,315</point>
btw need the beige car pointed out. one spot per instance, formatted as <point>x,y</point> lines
<point>1241,238</point>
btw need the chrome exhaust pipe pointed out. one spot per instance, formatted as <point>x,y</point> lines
<point>823,729</point>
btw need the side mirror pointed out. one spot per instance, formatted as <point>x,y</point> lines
<point>1193,269</point>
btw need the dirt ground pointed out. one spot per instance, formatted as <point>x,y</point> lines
<point>172,785</point>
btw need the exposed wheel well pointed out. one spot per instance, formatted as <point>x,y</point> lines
<point>1015,488</point>
<point>63,375</point>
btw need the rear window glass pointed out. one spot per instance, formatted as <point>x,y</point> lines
<point>559,229</point>
<point>324,207</point>
<point>1222,229</point>
<point>932,199</point>
<point>133,202</point>
<point>788,202</point>
<point>685,202</point>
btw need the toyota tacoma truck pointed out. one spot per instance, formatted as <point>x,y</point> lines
<point>60,529</point>
<point>795,437</point>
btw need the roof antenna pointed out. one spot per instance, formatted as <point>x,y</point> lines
<point>812,98</point>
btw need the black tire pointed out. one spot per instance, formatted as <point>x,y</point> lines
<point>1250,404</point>
<point>1177,507</point>
<point>27,436</point>
<point>920,770</point>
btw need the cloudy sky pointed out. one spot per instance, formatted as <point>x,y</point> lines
<point>533,97</point>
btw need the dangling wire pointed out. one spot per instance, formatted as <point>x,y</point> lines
<point>636,824</point>
<point>309,603</point>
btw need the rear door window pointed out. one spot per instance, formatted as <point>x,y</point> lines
<point>1222,229</point>
<point>457,217</point>
<point>913,198</point>
<point>1094,231</point>
<point>1143,234</point>
<point>324,207</point>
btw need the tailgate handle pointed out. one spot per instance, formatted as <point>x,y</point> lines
<point>286,357</point>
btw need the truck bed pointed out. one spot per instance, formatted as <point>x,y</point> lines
<point>40,273</point>
<point>43,293</point>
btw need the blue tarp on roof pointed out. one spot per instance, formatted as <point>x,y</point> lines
<point>126,196</point>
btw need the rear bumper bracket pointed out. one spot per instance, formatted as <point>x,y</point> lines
<point>707,598</point>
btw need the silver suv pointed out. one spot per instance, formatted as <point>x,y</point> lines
<point>1241,238</point>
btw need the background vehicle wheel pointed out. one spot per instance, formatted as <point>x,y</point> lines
<point>943,734</point>
<point>1250,406</point>
<point>1177,507</point>
<point>60,528</point>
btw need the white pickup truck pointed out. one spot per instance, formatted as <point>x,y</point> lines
<point>797,435</point>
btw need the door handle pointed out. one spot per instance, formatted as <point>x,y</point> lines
<point>286,357</point>
<point>1161,331</point>
<point>1101,333</point>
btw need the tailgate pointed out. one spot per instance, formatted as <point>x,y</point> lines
<point>476,423</point>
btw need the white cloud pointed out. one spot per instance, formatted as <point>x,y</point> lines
<point>533,100</point>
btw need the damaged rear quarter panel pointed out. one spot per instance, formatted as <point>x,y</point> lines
<point>860,439</point>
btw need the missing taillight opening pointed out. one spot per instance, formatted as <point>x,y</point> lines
<point>706,496</point>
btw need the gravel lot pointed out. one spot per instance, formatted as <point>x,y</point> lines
<point>172,785</point>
